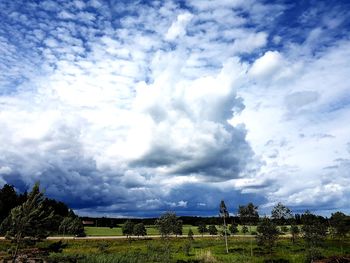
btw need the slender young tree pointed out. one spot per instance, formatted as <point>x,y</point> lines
<point>295,231</point>
<point>224,214</point>
<point>314,234</point>
<point>190,234</point>
<point>248,215</point>
<point>267,234</point>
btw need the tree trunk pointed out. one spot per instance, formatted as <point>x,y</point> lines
<point>225,235</point>
<point>251,241</point>
<point>15,253</point>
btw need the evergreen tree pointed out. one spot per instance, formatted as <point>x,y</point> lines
<point>212,230</point>
<point>245,229</point>
<point>340,224</point>
<point>202,228</point>
<point>128,228</point>
<point>168,224</point>
<point>280,213</point>
<point>249,215</point>
<point>190,234</point>
<point>140,230</point>
<point>233,228</point>
<point>8,200</point>
<point>267,234</point>
<point>28,221</point>
<point>72,225</point>
<point>294,230</point>
<point>314,233</point>
<point>178,228</point>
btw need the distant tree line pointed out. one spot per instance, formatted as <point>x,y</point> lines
<point>186,220</point>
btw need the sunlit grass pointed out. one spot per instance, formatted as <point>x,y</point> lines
<point>157,250</point>
<point>151,230</point>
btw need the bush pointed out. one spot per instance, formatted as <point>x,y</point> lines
<point>187,248</point>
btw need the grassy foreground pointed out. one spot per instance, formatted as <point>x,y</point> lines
<point>178,250</point>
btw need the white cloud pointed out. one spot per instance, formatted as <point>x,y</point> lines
<point>115,110</point>
<point>5,170</point>
<point>267,65</point>
<point>250,41</point>
<point>178,28</point>
<point>299,120</point>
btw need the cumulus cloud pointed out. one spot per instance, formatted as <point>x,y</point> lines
<point>266,65</point>
<point>133,109</point>
<point>178,28</point>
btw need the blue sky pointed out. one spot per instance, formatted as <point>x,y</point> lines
<point>132,108</point>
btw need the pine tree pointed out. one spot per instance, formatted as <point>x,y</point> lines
<point>128,228</point>
<point>267,234</point>
<point>140,230</point>
<point>190,234</point>
<point>202,228</point>
<point>28,221</point>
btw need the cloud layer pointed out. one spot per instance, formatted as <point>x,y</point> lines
<point>133,108</point>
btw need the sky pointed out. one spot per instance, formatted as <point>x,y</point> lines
<point>133,108</point>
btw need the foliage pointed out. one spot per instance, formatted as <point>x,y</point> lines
<point>72,225</point>
<point>280,213</point>
<point>340,224</point>
<point>267,234</point>
<point>295,231</point>
<point>202,228</point>
<point>8,200</point>
<point>248,214</point>
<point>140,230</point>
<point>187,247</point>
<point>284,229</point>
<point>245,229</point>
<point>178,228</point>
<point>28,221</point>
<point>233,228</point>
<point>314,234</point>
<point>128,228</point>
<point>168,224</point>
<point>190,234</point>
<point>156,250</point>
<point>212,230</point>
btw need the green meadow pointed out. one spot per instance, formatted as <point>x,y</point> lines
<point>181,250</point>
<point>151,230</point>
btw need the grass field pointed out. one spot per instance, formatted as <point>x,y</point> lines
<point>151,230</point>
<point>177,250</point>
